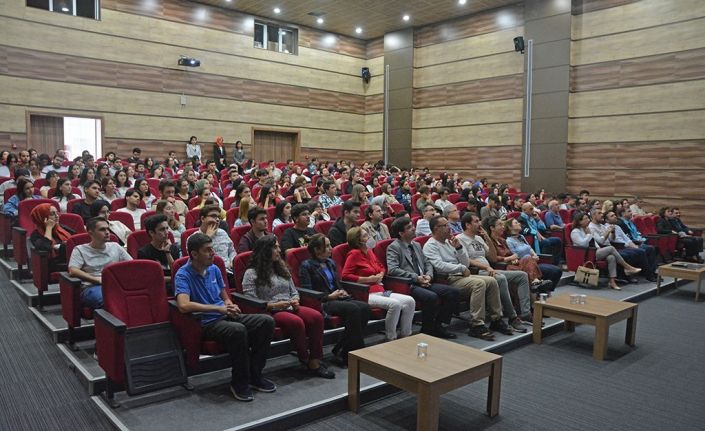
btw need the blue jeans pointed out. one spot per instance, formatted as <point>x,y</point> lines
<point>92,297</point>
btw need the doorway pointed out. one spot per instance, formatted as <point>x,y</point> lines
<point>275,144</point>
<point>51,132</point>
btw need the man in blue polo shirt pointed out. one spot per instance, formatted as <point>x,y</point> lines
<point>199,288</point>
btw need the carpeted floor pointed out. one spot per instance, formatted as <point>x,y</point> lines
<point>37,390</point>
<point>658,385</point>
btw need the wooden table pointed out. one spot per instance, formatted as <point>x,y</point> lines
<point>598,312</point>
<point>447,366</point>
<point>697,273</point>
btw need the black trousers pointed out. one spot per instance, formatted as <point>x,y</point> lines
<point>246,337</point>
<point>693,245</point>
<point>438,302</point>
<point>355,315</point>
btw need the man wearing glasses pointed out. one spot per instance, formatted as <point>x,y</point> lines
<point>222,244</point>
<point>449,259</point>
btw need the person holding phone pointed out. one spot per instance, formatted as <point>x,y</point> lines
<point>320,273</point>
<point>361,266</point>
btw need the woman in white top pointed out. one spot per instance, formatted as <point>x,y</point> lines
<point>282,214</point>
<point>122,184</point>
<point>143,186</point>
<point>581,237</point>
<point>63,194</point>
<point>110,192</point>
<point>193,149</point>
<point>175,226</point>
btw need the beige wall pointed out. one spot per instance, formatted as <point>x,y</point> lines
<point>123,68</point>
<point>637,106</point>
<point>466,103</point>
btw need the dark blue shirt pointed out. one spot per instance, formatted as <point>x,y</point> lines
<point>202,289</point>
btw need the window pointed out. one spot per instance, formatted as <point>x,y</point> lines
<point>84,8</point>
<point>275,38</point>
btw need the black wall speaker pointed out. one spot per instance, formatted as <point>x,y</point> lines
<point>366,75</point>
<point>519,44</point>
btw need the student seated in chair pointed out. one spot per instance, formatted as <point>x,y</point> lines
<point>88,260</point>
<point>159,249</point>
<point>200,289</point>
<point>49,236</point>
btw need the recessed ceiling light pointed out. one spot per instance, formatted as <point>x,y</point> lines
<point>358,30</point>
<point>64,9</point>
<point>406,17</point>
<point>228,1</point>
<point>277,10</point>
<point>462,2</point>
<point>319,20</point>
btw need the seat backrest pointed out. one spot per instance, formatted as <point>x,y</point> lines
<point>388,221</point>
<point>72,221</point>
<point>71,203</point>
<point>339,254</point>
<point>139,239</point>
<point>363,208</point>
<point>217,261</point>
<point>134,292</point>
<point>414,198</point>
<point>184,238</point>
<point>567,229</point>
<point>565,215</point>
<point>239,267</point>
<point>323,226</point>
<point>422,239</point>
<point>294,258</point>
<point>81,238</point>
<point>231,215</point>
<point>649,225</point>
<point>380,250</point>
<point>124,218</point>
<point>513,214</point>
<point>8,193</point>
<point>117,204</point>
<point>415,219</point>
<point>396,207</point>
<point>237,232</point>
<point>25,208</point>
<point>192,216</point>
<point>270,217</point>
<point>335,212</point>
<point>454,197</point>
<point>145,215</point>
<point>193,202</point>
<point>279,230</point>
<point>228,202</point>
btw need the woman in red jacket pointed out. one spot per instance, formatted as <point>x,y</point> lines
<point>362,266</point>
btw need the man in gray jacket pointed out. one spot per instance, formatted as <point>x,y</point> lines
<point>405,259</point>
<point>448,258</point>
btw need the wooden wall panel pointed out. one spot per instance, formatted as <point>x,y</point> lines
<point>468,136</point>
<point>478,68</point>
<point>8,139</point>
<point>656,69</point>
<point>481,90</point>
<point>585,6</point>
<point>497,164</point>
<point>662,156</point>
<point>634,128</point>
<point>135,52</point>
<point>473,25</point>
<point>501,111</point>
<point>375,48</point>
<point>462,49</point>
<point>634,16</point>
<point>679,96</point>
<point>649,41</point>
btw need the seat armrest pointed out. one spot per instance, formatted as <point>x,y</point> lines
<point>499,265</point>
<point>188,328</point>
<point>358,291</point>
<point>249,302</point>
<point>617,245</point>
<point>70,293</point>
<point>400,285</point>
<point>40,269</point>
<point>313,294</point>
<point>110,321</point>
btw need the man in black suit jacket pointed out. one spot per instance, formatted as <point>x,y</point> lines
<point>405,259</point>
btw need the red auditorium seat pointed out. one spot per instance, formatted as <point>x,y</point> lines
<point>359,291</point>
<point>139,239</point>
<point>231,215</point>
<point>124,218</point>
<point>335,212</point>
<point>71,203</point>
<point>184,238</point>
<point>145,216</point>
<point>323,226</point>
<point>192,216</point>
<point>576,256</point>
<point>237,232</point>
<point>279,230</point>
<point>422,239</point>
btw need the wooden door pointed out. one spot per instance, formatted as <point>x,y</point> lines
<point>274,145</point>
<point>46,134</point>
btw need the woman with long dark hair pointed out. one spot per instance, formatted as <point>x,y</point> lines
<point>63,193</point>
<point>25,190</point>
<point>282,214</point>
<point>319,273</point>
<point>52,178</point>
<point>122,183</point>
<point>268,278</point>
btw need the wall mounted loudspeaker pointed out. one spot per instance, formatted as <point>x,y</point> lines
<point>366,75</point>
<point>519,44</point>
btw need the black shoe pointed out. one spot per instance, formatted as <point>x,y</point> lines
<point>263,385</point>
<point>481,332</point>
<point>651,278</point>
<point>443,333</point>
<point>339,361</point>
<point>501,326</point>
<point>243,393</point>
<point>323,372</point>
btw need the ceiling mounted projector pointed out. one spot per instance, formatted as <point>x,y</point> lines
<point>189,62</point>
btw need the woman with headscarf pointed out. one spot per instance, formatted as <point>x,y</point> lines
<point>49,236</point>
<point>219,155</point>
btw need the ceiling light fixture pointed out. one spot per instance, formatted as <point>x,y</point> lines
<point>358,30</point>
<point>319,20</point>
<point>406,17</point>
<point>277,10</point>
<point>462,2</point>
